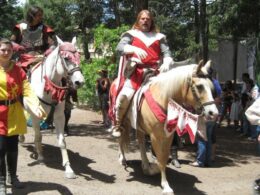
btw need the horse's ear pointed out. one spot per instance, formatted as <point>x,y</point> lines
<point>206,68</point>
<point>59,40</point>
<point>74,41</point>
<point>200,65</point>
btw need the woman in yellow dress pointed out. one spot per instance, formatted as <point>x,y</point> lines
<point>14,87</point>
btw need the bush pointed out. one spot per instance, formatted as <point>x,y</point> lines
<point>86,94</point>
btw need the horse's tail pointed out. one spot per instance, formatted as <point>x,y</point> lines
<point>125,135</point>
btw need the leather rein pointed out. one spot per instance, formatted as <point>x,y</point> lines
<point>193,90</point>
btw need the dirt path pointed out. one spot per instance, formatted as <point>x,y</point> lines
<point>93,155</point>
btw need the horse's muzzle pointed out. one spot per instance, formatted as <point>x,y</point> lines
<point>78,84</point>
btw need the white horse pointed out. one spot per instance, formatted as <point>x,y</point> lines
<point>46,78</point>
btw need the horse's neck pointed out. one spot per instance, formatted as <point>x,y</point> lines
<point>51,65</point>
<point>174,88</point>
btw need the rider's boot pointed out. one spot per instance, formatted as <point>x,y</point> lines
<point>122,103</point>
<point>121,109</point>
<point>12,168</point>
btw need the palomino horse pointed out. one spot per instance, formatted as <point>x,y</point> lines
<point>45,80</point>
<point>188,85</point>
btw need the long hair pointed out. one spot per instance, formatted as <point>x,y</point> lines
<point>153,28</point>
<point>32,12</point>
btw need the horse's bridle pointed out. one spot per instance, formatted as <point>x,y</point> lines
<point>191,86</point>
<point>69,71</point>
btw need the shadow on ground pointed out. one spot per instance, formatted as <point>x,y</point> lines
<point>231,147</point>
<point>176,179</point>
<point>79,163</point>
<point>39,187</point>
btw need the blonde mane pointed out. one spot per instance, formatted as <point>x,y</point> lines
<point>170,81</point>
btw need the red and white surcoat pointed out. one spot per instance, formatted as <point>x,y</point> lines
<point>150,43</point>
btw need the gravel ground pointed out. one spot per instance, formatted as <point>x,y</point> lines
<point>93,155</point>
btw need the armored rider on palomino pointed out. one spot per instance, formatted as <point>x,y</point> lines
<point>141,50</point>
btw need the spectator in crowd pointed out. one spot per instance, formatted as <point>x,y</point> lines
<point>71,96</point>
<point>102,91</point>
<point>206,148</point>
<point>227,98</point>
<point>245,78</point>
<point>236,109</point>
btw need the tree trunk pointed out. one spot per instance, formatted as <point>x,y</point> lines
<point>235,52</point>
<point>140,5</point>
<point>204,30</point>
<point>197,29</point>
<point>196,21</point>
<point>116,12</point>
<point>85,44</point>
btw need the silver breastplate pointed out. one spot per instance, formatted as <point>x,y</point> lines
<point>32,39</point>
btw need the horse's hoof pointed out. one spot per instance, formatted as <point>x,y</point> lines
<point>176,163</point>
<point>122,162</point>
<point>168,191</point>
<point>70,175</point>
<point>116,133</point>
<point>40,161</point>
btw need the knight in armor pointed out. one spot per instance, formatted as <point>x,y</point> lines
<point>143,49</point>
<point>34,37</point>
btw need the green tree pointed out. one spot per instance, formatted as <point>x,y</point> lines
<point>103,38</point>
<point>72,17</point>
<point>10,15</point>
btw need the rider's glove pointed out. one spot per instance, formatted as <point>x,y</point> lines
<point>129,49</point>
<point>166,65</point>
<point>17,47</point>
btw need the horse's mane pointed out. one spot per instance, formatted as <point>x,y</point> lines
<point>169,82</point>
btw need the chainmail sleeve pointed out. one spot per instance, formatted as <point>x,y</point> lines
<point>125,40</point>
<point>165,48</point>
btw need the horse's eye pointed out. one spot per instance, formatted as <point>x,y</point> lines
<point>200,88</point>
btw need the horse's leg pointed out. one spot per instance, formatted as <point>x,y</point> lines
<point>121,153</point>
<point>148,169</point>
<point>59,120</point>
<point>37,138</point>
<point>162,151</point>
